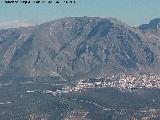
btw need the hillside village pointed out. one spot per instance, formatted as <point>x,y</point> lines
<point>123,82</point>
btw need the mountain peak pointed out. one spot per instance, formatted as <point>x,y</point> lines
<point>86,18</point>
<point>153,24</point>
<point>74,47</point>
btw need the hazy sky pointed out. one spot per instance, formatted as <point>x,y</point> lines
<point>133,12</point>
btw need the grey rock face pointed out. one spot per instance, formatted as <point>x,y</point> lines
<point>153,27</point>
<point>74,47</point>
<point>155,23</point>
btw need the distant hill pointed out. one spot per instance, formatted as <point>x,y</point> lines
<point>77,47</point>
<point>153,27</point>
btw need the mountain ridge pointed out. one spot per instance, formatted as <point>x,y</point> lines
<point>75,47</point>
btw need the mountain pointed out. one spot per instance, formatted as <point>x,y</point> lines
<point>152,27</point>
<point>151,31</point>
<point>75,47</point>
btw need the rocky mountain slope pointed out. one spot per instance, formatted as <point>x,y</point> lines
<point>151,31</point>
<point>152,27</point>
<point>76,47</point>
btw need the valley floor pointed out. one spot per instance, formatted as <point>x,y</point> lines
<point>121,97</point>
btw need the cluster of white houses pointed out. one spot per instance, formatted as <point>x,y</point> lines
<point>123,82</point>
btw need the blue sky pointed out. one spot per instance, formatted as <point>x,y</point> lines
<point>132,12</point>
